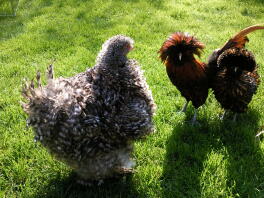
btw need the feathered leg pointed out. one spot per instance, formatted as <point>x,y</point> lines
<point>194,119</point>
<point>223,116</point>
<point>184,107</point>
<point>235,117</point>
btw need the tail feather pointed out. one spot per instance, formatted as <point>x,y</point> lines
<point>32,85</point>
<point>31,90</point>
<point>25,88</point>
<point>28,89</point>
<point>50,72</point>
<point>240,39</point>
<point>38,79</point>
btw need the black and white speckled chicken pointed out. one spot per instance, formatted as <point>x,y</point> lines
<point>232,72</point>
<point>89,121</point>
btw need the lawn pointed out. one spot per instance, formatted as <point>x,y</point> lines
<point>215,159</point>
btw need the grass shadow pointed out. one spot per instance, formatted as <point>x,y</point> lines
<point>12,26</point>
<point>68,188</point>
<point>254,1</point>
<point>245,170</point>
<point>188,149</point>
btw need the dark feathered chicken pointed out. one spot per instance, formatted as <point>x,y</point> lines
<point>186,72</point>
<point>237,41</point>
<point>236,80</point>
<point>90,121</point>
<point>233,73</point>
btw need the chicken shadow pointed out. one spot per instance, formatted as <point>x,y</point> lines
<point>15,26</point>
<point>159,4</point>
<point>245,170</point>
<point>68,188</point>
<point>188,148</point>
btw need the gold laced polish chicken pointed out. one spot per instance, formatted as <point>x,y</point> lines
<point>232,73</point>
<point>186,72</point>
<point>90,121</point>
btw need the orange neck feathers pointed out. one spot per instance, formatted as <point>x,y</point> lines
<point>180,43</point>
<point>177,53</point>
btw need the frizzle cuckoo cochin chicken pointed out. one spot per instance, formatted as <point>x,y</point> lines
<point>89,121</point>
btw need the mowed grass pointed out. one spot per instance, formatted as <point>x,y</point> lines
<point>216,159</point>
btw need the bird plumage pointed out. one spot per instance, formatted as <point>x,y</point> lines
<point>232,72</point>
<point>90,120</point>
<point>236,80</point>
<point>239,40</point>
<point>186,72</point>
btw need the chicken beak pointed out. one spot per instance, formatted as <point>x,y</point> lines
<point>130,48</point>
<point>180,56</point>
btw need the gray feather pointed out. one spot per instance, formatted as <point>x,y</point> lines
<point>90,120</point>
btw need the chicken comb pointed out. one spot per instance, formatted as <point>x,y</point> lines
<point>239,40</point>
<point>180,40</point>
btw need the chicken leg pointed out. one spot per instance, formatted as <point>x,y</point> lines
<point>184,107</point>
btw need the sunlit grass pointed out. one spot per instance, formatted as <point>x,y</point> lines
<point>217,159</point>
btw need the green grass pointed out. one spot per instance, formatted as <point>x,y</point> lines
<point>8,7</point>
<point>217,159</point>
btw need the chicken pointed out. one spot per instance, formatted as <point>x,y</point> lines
<point>90,121</point>
<point>236,80</point>
<point>238,41</point>
<point>184,71</point>
<point>232,73</point>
